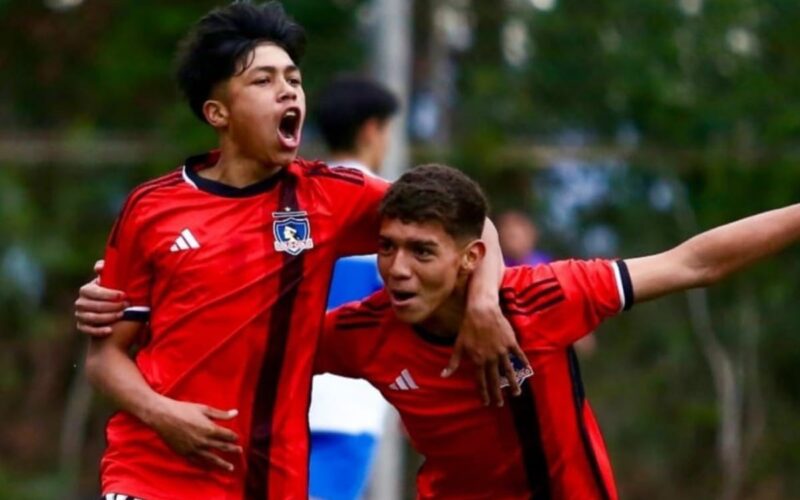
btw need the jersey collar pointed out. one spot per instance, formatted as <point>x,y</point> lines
<point>194,164</point>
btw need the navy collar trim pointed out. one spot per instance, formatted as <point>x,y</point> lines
<point>196,163</point>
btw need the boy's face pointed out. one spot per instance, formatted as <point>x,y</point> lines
<point>421,265</point>
<point>265,106</point>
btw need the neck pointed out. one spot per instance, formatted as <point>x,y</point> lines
<point>446,320</point>
<point>238,170</point>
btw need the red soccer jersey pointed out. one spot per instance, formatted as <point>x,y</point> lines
<point>234,284</point>
<point>544,444</point>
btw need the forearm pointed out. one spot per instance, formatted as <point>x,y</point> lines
<point>487,277</point>
<point>721,251</point>
<point>111,371</point>
<point>714,254</point>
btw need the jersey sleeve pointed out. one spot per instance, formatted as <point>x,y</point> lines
<point>359,231</point>
<point>337,352</point>
<point>571,298</point>
<point>126,265</point>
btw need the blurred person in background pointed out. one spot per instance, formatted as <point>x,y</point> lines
<point>519,238</point>
<point>347,416</point>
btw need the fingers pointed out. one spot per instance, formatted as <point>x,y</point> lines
<point>218,414</point>
<point>481,375</point>
<point>98,306</point>
<point>493,381</point>
<point>97,319</point>
<point>93,291</point>
<point>94,331</point>
<point>510,374</point>
<point>218,432</point>
<point>99,265</point>
<point>520,354</point>
<point>223,446</point>
<point>213,459</point>
<point>455,360</point>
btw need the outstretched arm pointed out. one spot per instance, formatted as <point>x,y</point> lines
<point>186,427</point>
<point>714,254</point>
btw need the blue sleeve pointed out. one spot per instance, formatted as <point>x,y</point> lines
<point>354,278</point>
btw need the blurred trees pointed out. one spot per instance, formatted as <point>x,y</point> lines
<point>623,125</point>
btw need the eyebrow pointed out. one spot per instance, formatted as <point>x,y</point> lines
<point>423,243</point>
<point>274,69</point>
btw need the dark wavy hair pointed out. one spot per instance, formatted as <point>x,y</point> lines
<point>438,193</point>
<point>219,46</point>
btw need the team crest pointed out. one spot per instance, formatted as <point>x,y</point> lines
<point>521,372</point>
<point>292,232</point>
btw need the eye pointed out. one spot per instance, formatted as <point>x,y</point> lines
<point>295,81</point>
<point>423,253</point>
<point>261,81</point>
<point>385,247</point>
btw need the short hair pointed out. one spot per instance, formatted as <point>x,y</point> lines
<point>219,44</point>
<point>438,193</point>
<point>346,103</point>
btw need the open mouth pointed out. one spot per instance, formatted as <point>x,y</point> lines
<point>400,296</point>
<point>289,128</point>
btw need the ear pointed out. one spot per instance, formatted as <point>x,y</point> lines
<point>216,113</point>
<point>472,256</point>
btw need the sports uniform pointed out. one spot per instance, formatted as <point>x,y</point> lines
<point>233,283</point>
<point>543,444</point>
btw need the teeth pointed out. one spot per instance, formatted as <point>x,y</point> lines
<point>291,114</point>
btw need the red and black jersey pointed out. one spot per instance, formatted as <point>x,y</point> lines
<point>544,444</point>
<point>234,284</point>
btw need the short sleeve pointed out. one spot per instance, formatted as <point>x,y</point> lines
<point>359,234</point>
<point>336,352</point>
<point>567,300</point>
<point>126,266</point>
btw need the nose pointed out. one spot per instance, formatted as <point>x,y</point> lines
<point>287,92</point>
<point>399,268</point>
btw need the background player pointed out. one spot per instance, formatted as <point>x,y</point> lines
<point>348,416</point>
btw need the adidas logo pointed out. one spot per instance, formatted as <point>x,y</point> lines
<point>185,241</point>
<point>404,382</point>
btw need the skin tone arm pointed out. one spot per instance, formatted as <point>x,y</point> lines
<point>714,254</point>
<point>187,428</point>
<point>486,335</point>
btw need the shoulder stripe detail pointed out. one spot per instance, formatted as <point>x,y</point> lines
<point>359,181</point>
<point>355,318</point>
<point>357,325</point>
<point>528,289</point>
<point>533,299</point>
<point>535,309</point>
<point>137,194</point>
<point>624,284</point>
<point>377,305</point>
<point>362,313</point>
